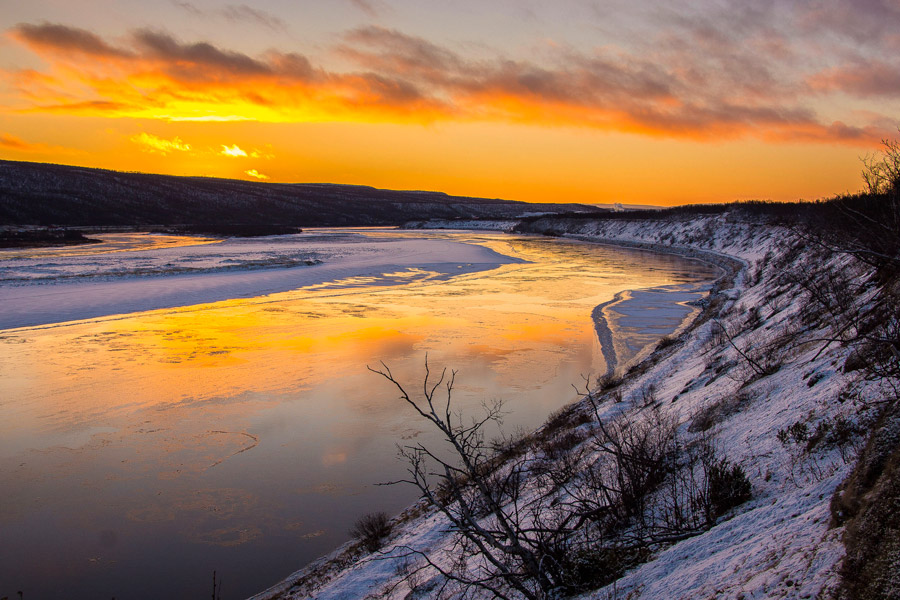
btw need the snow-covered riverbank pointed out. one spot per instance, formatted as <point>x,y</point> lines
<point>751,376</point>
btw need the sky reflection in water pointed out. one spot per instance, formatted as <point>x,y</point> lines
<point>139,454</point>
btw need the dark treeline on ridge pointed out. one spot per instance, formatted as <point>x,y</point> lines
<point>867,222</point>
<point>45,194</point>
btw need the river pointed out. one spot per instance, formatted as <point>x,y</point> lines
<point>170,409</point>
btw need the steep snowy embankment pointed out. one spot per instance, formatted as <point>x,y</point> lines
<point>752,377</point>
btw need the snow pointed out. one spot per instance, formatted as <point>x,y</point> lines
<point>777,545</point>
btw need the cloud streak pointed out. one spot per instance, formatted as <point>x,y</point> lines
<point>236,13</point>
<point>11,142</point>
<point>696,85</point>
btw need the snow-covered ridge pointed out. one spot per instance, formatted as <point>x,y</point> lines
<point>779,544</point>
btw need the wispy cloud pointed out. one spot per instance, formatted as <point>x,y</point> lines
<point>703,78</point>
<point>367,6</point>
<point>152,143</point>
<point>236,13</point>
<point>11,142</point>
<point>256,174</point>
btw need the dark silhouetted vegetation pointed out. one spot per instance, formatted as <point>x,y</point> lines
<point>45,194</point>
<point>29,238</point>
<point>569,508</point>
<point>371,529</point>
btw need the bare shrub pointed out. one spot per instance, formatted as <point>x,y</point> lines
<point>666,342</point>
<point>565,418</point>
<point>728,486</point>
<point>608,382</point>
<point>635,455</point>
<point>713,414</point>
<point>565,515</point>
<point>561,444</point>
<point>510,446</point>
<point>760,356</point>
<point>508,535</point>
<point>797,433</point>
<point>371,529</point>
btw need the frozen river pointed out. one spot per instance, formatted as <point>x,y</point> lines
<point>173,406</point>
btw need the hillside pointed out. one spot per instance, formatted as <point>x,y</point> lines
<point>44,194</point>
<point>743,459</point>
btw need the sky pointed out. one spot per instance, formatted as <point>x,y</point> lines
<point>593,101</point>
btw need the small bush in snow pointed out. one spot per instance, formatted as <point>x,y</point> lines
<point>798,433</point>
<point>728,486</point>
<point>718,411</point>
<point>371,529</point>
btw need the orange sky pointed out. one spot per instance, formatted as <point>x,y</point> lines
<point>582,101</point>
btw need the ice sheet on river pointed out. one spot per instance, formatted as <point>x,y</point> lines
<point>40,288</point>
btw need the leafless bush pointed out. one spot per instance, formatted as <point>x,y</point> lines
<point>565,419</point>
<point>608,382</point>
<point>509,446</point>
<point>760,357</point>
<point>371,529</point>
<point>727,486</point>
<point>666,342</point>
<point>507,535</point>
<point>563,515</point>
<point>713,414</point>
<point>639,454</point>
<point>647,395</point>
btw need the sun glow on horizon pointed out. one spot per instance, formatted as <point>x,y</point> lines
<point>659,113</point>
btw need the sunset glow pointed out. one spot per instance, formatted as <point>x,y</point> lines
<point>578,101</point>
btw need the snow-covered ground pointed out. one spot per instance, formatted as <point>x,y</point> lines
<point>778,544</point>
<point>138,272</point>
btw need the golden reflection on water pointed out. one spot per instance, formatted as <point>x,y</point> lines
<point>251,426</point>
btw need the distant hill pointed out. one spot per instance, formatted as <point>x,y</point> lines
<point>46,194</point>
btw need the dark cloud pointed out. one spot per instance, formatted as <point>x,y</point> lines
<point>696,84</point>
<point>191,57</point>
<point>63,37</point>
<point>293,66</point>
<point>188,7</point>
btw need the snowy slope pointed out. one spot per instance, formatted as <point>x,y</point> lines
<point>776,545</point>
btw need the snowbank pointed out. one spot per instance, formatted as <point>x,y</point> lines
<point>777,545</point>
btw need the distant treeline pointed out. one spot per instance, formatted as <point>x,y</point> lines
<point>866,224</point>
<point>821,213</point>
<point>751,209</point>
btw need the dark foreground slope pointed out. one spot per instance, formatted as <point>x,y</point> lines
<point>44,194</point>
